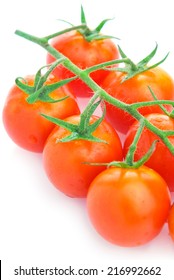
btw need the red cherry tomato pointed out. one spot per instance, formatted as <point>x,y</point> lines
<point>23,122</point>
<point>84,54</point>
<point>128,207</point>
<point>66,163</point>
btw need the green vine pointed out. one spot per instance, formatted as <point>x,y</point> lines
<point>132,109</point>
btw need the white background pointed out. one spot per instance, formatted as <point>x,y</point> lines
<point>39,225</point>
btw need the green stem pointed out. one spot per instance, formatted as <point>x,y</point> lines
<point>130,155</point>
<point>83,75</point>
<point>85,114</point>
<point>105,64</point>
<point>146,157</point>
<point>47,38</point>
<point>161,106</point>
<point>138,105</point>
<point>40,41</point>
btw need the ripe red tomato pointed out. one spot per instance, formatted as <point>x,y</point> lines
<point>23,122</point>
<point>128,207</point>
<point>171,222</point>
<point>136,90</point>
<point>162,160</point>
<point>84,54</point>
<point>64,163</point>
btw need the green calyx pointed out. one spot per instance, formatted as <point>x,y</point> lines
<point>131,69</point>
<point>40,91</point>
<point>91,35</point>
<point>84,130</point>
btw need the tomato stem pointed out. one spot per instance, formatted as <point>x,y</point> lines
<point>160,105</point>
<point>88,111</point>
<point>129,160</point>
<point>130,155</point>
<point>146,157</point>
<point>104,65</point>
<point>47,38</point>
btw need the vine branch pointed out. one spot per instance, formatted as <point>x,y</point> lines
<point>99,92</point>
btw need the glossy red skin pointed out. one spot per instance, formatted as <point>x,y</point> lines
<point>84,54</point>
<point>23,122</point>
<point>162,161</point>
<point>128,207</point>
<point>136,90</point>
<point>171,222</point>
<point>64,163</point>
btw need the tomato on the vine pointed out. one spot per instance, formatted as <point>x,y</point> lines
<point>127,206</point>
<point>171,222</point>
<point>23,122</point>
<point>136,90</point>
<point>84,54</point>
<point>68,164</point>
<point>162,160</point>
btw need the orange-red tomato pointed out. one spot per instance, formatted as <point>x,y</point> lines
<point>171,222</point>
<point>66,163</point>
<point>84,54</point>
<point>136,90</point>
<point>23,122</point>
<point>128,207</point>
<point>162,160</point>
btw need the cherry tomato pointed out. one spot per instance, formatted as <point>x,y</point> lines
<point>171,222</point>
<point>65,163</point>
<point>128,207</point>
<point>136,90</point>
<point>84,54</point>
<point>162,160</point>
<point>23,122</point>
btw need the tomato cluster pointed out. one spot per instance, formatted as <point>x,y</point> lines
<point>127,205</point>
